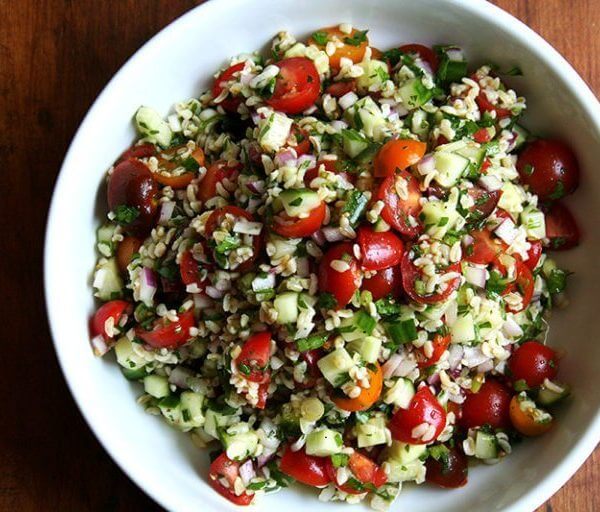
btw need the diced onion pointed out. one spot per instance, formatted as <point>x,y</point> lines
<point>263,283</point>
<point>347,100</point>
<point>213,293</point>
<point>455,54</point>
<point>455,354</point>
<point>512,328</point>
<point>332,234</point>
<point>475,275</point>
<point>286,157</point>
<point>247,472</point>
<point>148,286</point>
<point>338,125</point>
<point>490,183</point>
<point>473,356</point>
<point>247,227</point>
<point>507,231</point>
<point>179,376</point>
<point>166,212</point>
<point>201,301</point>
<point>390,365</point>
<point>312,159</point>
<point>426,165</point>
<point>99,345</point>
<point>405,368</point>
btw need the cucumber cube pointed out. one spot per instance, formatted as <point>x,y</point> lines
<point>368,348</point>
<point>153,127</point>
<point>126,357</point>
<point>286,305</point>
<point>371,433</point>
<point>450,167</point>
<point>404,452</point>
<point>240,446</point>
<point>335,364</point>
<point>191,409</point>
<point>486,445</point>
<point>534,222</point>
<point>438,218</point>
<point>400,472</point>
<point>157,386</point>
<point>400,394</point>
<point>463,329</point>
<point>323,443</point>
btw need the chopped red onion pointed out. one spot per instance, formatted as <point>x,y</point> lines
<point>426,165</point>
<point>180,376</point>
<point>507,231</point>
<point>512,328</point>
<point>213,293</point>
<point>433,379</point>
<point>312,159</point>
<point>405,368</point>
<point>467,240</point>
<point>247,472</point>
<point>455,353</point>
<point>486,367</point>
<point>318,237</point>
<point>201,301</point>
<point>347,100</point>
<point>475,275</point>
<point>286,157</point>
<point>258,187</point>
<point>490,183</point>
<point>263,283</point>
<point>99,345</point>
<point>148,286</point>
<point>332,234</point>
<point>473,357</point>
<point>338,125</point>
<point>166,212</point>
<point>389,367</point>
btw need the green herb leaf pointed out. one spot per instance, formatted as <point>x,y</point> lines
<point>359,37</point>
<point>311,342</point>
<point>326,300</point>
<point>339,460</point>
<point>320,38</point>
<point>557,280</point>
<point>125,214</point>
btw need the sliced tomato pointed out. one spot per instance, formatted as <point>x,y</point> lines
<point>294,227</point>
<point>484,203</point>
<point>523,284</point>
<point>397,154</point>
<point>410,274</point>
<point>224,467</point>
<point>484,249</point>
<point>533,362</point>
<point>341,285</point>
<point>385,282</point>
<point>534,254</point>
<point>125,251</point>
<point>308,469</point>
<point>341,88</point>
<point>423,52</point>
<point>440,344</point>
<point>482,135</point>
<point>486,105</point>
<point>302,142</point>
<point>423,408</point>
<point>230,103</point>
<point>561,228</point>
<point>489,406</point>
<point>379,250</point>
<point>178,181</point>
<point>363,469</point>
<point>353,45</point>
<point>487,163</point>
<point>145,150</point>
<point>297,86</point>
<point>253,361</point>
<point>450,471</point>
<point>216,173</point>
<point>114,310</point>
<point>166,334</point>
<point>368,396</point>
<point>190,269</point>
<point>525,422</point>
<point>401,214</point>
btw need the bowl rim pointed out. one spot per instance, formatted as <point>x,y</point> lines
<point>580,92</point>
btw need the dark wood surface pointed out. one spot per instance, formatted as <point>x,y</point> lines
<point>55,57</point>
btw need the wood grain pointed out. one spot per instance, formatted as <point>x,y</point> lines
<point>55,56</point>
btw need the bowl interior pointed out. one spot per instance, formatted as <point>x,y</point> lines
<point>176,65</point>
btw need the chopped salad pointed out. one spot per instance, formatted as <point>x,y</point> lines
<point>331,267</point>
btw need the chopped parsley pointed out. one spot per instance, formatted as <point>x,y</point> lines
<point>557,280</point>
<point>125,214</point>
<point>359,37</point>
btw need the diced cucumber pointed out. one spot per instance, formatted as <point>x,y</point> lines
<point>534,222</point>
<point>522,135</point>
<point>463,329</point>
<point>400,394</point>
<point>353,143</point>
<point>134,374</point>
<point>548,397</point>
<point>375,74</point>
<point>286,305</point>
<point>450,167</point>
<point>371,433</point>
<point>104,236</point>
<point>402,331</point>
<point>323,443</point>
<point>451,147</point>
<point>486,445</point>
<point>358,326</point>
<point>215,421</point>
<point>366,116</point>
<point>240,446</point>
<point>273,131</point>
<point>299,201</point>
<point>126,357</point>
<point>404,452</point>
<point>511,199</point>
<point>420,124</point>
<point>439,217</point>
<point>170,407</point>
<point>107,280</point>
<point>289,424</point>
<point>191,409</point>
<point>156,386</point>
<point>400,472</point>
<point>474,153</point>
<point>153,127</point>
<point>368,348</point>
<point>414,94</point>
<point>335,364</point>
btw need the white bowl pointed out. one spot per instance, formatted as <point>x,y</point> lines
<point>175,65</point>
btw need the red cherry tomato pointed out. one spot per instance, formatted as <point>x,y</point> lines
<point>216,173</point>
<point>216,217</point>
<point>297,87</point>
<point>379,250</point>
<point>396,211</point>
<point>230,103</point>
<point>341,285</point>
<point>489,406</point>
<point>164,164</point>
<point>533,362</point>
<point>364,470</point>
<point>263,393</point>
<point>125,251</point>
<point>145,150</point>
<point>339,89</point>
<point>308,469</point>
<point>484,249</point>
<point>423,408</point>
<point>450,472</point>
<point>383,283</point>
<point>294,227</point>
<point>482,135</point>
<point>561,228</point>
<point>534,254</point>
<point>254,358</point>
<point>189,270</point>
<point>523,284</point>
<point>550,169</point>
<point>397,154</point>
<point>131,184</point>
<point>485,165</point>
<point>440,344</point>
<point>113,309</point>
<point>485,203</point>
<point>302,146</point>
<point>166,334</point>
<point>410,274</point>
<point>423,52</point>
<point>486,105</point>
<point>224,467</point>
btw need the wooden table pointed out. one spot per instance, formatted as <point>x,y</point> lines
<point>55,57</point>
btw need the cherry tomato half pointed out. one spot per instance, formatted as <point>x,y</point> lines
<point>524,421</point>
<point>550,169</point>
<point>533,362</point>
<point>230,103</point>
<point>166,334</point>
<point>125,251</point>
<point>423,408</point>
<point>216,173</point>
<point>379,250</point>
<point>302,142</point>
<point>189,269</point>
<point>308,469</point>
<point>534,254</point>
<point>485,105</point>
<point>341,285</point>
<point>339,89</point>
<point>401,214</point>
<point>145,150</point>
<point>297,86</point>
<point>330,166</point>
<point>484,203</point>
<point>353,48</point>
<point>224,467</point>
<point>489,406</point>
<point>383,283</point>
<point>423,52</point>
<point>180,180</point>
<point>397,154</point>
<point>440,344</point>
<point>561,228</point>
<point>450,471</point>
<point>114,309</point>
<point>368,396</point>
<point>523,284</point>
<point>132,185</point>
<point>363,468</point>
<point>484,249</point>
<point>254,358</point>
<point>410,274</point>
<point>295,227</point>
